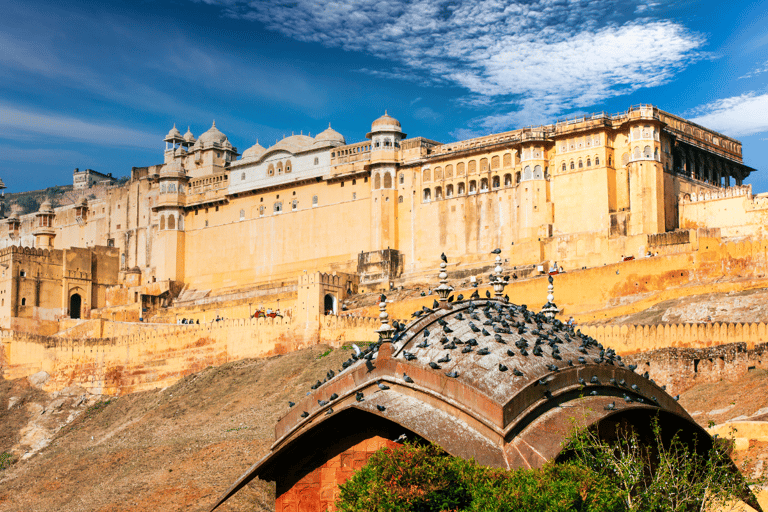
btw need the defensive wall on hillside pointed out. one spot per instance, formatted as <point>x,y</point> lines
<point>157,355</point>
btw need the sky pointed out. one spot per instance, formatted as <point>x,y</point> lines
<point>99,84</point>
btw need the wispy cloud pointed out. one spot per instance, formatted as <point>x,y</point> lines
<point>757,71</point>
<point>737,116</point>
<point>16,122</point>
<point>539,57</point>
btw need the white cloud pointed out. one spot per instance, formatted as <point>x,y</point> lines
<point>737,116</point>
<point>757,71</point>
<point>538,57</point>
<point>18,123</point>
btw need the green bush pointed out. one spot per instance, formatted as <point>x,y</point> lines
<point>6,459</point>
<point>424,478</point>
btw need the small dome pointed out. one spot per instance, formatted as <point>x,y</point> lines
<point>294,144</point>
<point>386,123</point>
<point>46,207</point>
<point>188,137</point>
<point>173,135</point>
<point>254,152</point>
<point>330,135</point>
<point>212,136</point>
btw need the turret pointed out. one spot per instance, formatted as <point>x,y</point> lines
<point>44,232</point>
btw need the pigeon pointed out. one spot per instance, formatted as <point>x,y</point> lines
<point>676,397</point>
<point>552,367</point>
<point>518,373</point>
<point>487,294</point>
<point>330,411</point>
<point>333,397</point>
<point>369,365</point>
<point>502,368</point>
<point>423,344</point>
<point>473,327</point>
<point>550,279</point>
<point>634,387</point>
<point>510,353</point>
<point>542,382</point>
<point>330,374</point>
<point>593,393</point>
<point>594,380</point>
<point>472,342</point>
<point>408,356</point>
<point>582,381</point>
<point>627,398</point>
<point>445,359</point>
<point>475,294</point>
<point>612,381</point>
<point>622,382</point>
<point>434,366</point>
<point>304,414</point>
<point>291,404</point>
<point>447,330</point>
<point>417,314</point>
<point>610,407</point>
<point>359,396</point>
<point>450,346</point>
<point>426,333</point>
<point>435,305</point>
<point>485,333</point>
<point>444,258</point>
<point>496,251</point>
<point>382,386</point>
<point>645,375</point>
<point>316,385</point>
<point>537,351</point>
<point>452,374</point>
<point>407,379</point>
<point>570,363</point>
<point>381,407</point>
<point>483,351</point>
<point>548,394</point>
<point>357,350</point>
<point>632,367</point>
<point>466,350</point>
<point>523,352</point>
<point>322,403</point>
<point>460,298</point>
<point>460,316</point>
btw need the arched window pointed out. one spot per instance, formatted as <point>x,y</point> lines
<point>472,187</point>
<point>261,211</point>
<point>507,160</point>
<point>377,181</point>
<point>279,168</point>
<point>564,167</point>
<point>647,153</point>
<point>317,160</point>
<point>496,182</point>
<point>495,162</point>
<point>471,167</point>
<point>527,175</point>
<point>636,133</point>
<point>171,222</point>
<point>400,199</point>
<point>271,170</point>
<point>636,154</point>
<point>646,132</point>
<point>484,184</point>
<point>387,180</point>
<point>438,193</point>
<point>581,164</point>
<point>518,177</point>
<point>425,176</point>
<point>460,169</point>
<point>438,173</point>
<point>507,180</point>
<point>483,164</point>
<point>589,162</point>
<point>460,189</point>
<point>427,194</point>
<point>609,161</point>
<point>537,173</point>
<point>656,154</point>
<point>162,222</point>
<point>402,179</point>
<point>242,176</point>
<point>314,200</point>
<point>295,204</point>
<point>449,191</point>
<point>278,207</point>
<point>287,166</point>
<point>171,188</point>
<point>162,188</point>
<point>23,301</point>
<point>242,214</point>
<point>448,171</point>
<point>625,159</point>
<point>573,165</point>
<point>597,160</point>
<point>181,188</point>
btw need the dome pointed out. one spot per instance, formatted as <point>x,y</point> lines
<point>483,379</point>
<point>212,136</point>
<point>173,135</point>
<point>254,152</point>
<point>329,135</point>
<point>294,144</point>
<point>46,207</point>
<point>188,137</point>
<point>386,123</point>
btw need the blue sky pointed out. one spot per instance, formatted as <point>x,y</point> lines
<point>98,85</point>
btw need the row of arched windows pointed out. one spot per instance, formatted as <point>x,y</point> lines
<point>581,163</point>
<point>470,167</point>
<point>278,168</point>
<point>461,188</point>
<point>377,180</point>
<point>169,222</point>
<point>170,188</point>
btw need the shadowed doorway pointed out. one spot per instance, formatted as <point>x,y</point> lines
<point>74,306</point>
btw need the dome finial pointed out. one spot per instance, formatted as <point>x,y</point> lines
<point>214,124</point>
<point>385,112</point>
<point>329,124</point>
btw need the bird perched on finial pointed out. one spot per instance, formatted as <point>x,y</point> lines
<point>383,298</point>
<point>444,258</point>
<point>550,279</point>
<point>496,251</point>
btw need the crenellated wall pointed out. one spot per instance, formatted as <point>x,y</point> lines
<point>157,355</point>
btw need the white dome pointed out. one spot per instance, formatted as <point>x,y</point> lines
<point>330,135</point>
<point>212,136</point>
<point>254,152</point>
<point>173,134</point>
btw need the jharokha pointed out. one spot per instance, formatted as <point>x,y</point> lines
<point>213,255</point>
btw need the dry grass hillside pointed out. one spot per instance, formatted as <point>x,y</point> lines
<point>180,447</point>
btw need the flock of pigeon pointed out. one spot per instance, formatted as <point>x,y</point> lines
<point>522,338</point>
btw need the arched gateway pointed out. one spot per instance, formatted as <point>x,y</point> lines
<point>555,379</point>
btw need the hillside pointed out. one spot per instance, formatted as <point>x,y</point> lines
<point>178,448</point>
